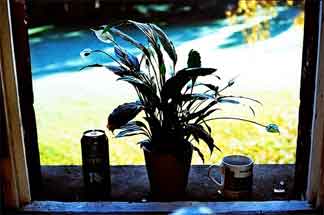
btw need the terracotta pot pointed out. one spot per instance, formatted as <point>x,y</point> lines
<point>168,174</point>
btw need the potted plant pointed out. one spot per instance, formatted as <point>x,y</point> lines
<point>173,108</point>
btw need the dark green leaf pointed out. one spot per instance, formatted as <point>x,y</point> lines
<point>154,124</point>
<point>153,38</point>
<point>202,134</point>
<point>205,115</point>
<point>145,144</point>
<point>131,79</point>
<point>200,112</point>
<point>123,114</point>
<point>252,110</point>
<point>148,91</point>
<point>199,153</point>
<point>127,59</point>
<point>272,128</point>
<point>193,59</point>
<point>231,101</point>
<point>194,96</point>
<point>166,43</point>
<point>172,87</point>
<point>133,128</point>
<point>119,70</point>
<point>207,126</point>
<point>210,86</point>
<point>131,40</point>
<point>92,65</point>
<point>138,124</point>
<point>127,133</point>
<point>231,82</point>
<point>213,88</point>
<point>145,28</point>
<point>241,97</point>
<point>162,70</point>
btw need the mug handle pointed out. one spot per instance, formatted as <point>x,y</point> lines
<point>221,183</point>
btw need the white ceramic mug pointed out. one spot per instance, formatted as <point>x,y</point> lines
<point>236,176</point>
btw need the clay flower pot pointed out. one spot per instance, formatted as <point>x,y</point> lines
<point>168,174</point>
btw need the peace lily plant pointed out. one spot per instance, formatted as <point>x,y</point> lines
<point>176,106</point>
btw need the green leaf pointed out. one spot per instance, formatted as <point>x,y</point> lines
<point>145,144</point>
<point>131,79</point>
<point>231,101</point>
<point>139,125</point>
<point>92,65</point>
<point>252,110</point>
<point>133,128</point>
<point>194,115</point>
<point>199,153</point>
<point>154,124</point>
<point>162,70</point>
<point>119,70</point>
<point>194,96</point>
<point>131,40</point>
<point>153,39</point>
<point>128,133</point>
<point>166,43</point>
<point>193,59</point>
<point>205,115</point>
<point>209,86</point>
<point>145,28</point>
<point>127,59</point>
<point>207,126</point>
<point>123,114</point>
<point>172,87</point>
<point>272,128</point>
<point>241,97</point>
<point>146,90</point>
<point>200,132</point>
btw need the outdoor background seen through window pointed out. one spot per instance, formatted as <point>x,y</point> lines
<point>258,43</point>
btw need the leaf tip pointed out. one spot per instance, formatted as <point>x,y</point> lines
<point>272,128</point>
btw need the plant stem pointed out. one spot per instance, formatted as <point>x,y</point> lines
<point>103,52</point>
<point>236,118</point>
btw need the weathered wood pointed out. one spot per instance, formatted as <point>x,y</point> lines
<point>3,132</point>
<point>13,168</point>
<point>187,2</point>
<point>307,90</point>
<point>270,207</point>
<point>25,91</point>
<point>316,166</point>
<point>2,209</point>
<point>130,183</point>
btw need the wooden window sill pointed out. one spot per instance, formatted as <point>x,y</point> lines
<point>130,183</point>
<point>242,208</point>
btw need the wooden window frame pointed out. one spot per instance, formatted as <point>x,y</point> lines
<point>14,172</point>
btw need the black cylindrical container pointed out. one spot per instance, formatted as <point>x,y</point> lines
<point>95,164</point>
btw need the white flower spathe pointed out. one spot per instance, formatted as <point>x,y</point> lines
<point>105,37</point>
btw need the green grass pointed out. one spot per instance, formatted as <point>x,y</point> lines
<point>61,123</point>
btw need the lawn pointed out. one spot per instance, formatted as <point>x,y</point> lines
<point>62,120</point>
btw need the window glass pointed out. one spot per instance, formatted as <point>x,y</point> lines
<point>257,43</point>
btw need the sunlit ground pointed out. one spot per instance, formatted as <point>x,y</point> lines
<point>68,103</point>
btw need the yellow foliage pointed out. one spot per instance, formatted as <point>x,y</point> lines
<point>250,9</point>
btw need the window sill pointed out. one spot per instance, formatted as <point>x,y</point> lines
<point>130,183</point>
<point>233,208</point>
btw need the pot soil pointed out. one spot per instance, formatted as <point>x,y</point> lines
<point>168,174</point>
